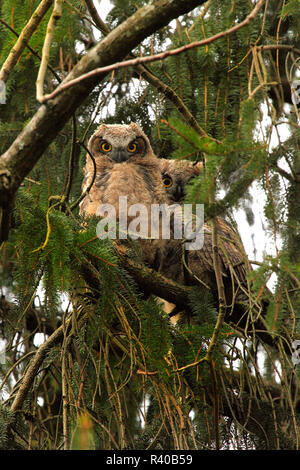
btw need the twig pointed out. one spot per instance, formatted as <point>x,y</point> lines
<point>74,147</point>
<point>286,47</point>
<point>14,366</point>
<point>82,196</point>
<point>56,14</point>
<point>43,246</point>
<point>23,39</point>
<point>96,18</point>
<point>64,384</point>
<point>153,58</point>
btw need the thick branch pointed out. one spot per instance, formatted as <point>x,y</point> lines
<point>151,282</point>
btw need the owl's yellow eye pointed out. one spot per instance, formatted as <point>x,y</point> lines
<point>167,181</point>
<point>132,147</point>
<point>106,147</point>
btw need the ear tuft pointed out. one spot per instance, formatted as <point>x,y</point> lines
<point>135,126</point>
<point>198,168</point>
<point>163,163</point>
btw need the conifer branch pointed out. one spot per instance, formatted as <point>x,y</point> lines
<point>35,53</point>
<point>144,72</point>
<point>153,58</point>
<point>152,282</point>
<point>23,39</point>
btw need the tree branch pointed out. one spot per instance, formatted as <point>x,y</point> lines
<point>34,366</point>
<point>152,282</point>
<point>35,53</point>
<point>56,14</point>
<point>96,18</point>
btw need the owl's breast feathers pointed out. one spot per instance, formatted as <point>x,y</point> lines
<point>140,181</point>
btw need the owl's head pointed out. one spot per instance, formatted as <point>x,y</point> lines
<point>120,143</point>
<point>176,174</point>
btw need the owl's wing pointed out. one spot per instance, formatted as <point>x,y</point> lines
<point>233,261</point>
<point>196,267</point>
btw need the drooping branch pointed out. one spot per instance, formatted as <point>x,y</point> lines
<point>235,406</point>
<point>34,367</point>
<point>20,158</point>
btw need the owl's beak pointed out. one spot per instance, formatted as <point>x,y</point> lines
<point>179,193</point>
<point>120,156</point>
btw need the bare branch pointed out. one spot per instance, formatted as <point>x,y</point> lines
<point>96,18</point>
<point>56,14</point>
<point>36,54</point>
<point>286,47</point>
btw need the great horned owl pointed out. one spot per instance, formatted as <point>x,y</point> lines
<point>176,174</point>
<point>196,266</point>
<point>125,166</point>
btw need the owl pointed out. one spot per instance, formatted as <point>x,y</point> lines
<point>125,167</point>
<point>196,267</point>
<point>176,174</point>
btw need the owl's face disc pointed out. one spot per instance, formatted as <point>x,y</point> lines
<point>118,143</point>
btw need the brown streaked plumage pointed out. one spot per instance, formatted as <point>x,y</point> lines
<point>192,267</point>
<point>176,174</point>
<point>125,166</point>
<point>120,172</point>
